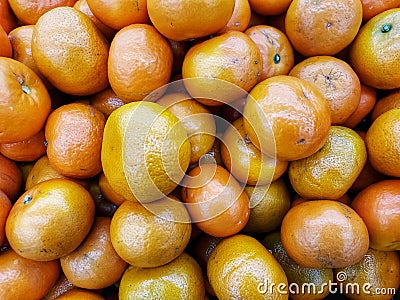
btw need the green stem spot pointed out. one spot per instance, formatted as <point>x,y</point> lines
<point>386,28</point>
<point>26,89</point>
<point>277,58</point>
<point>27,199</point>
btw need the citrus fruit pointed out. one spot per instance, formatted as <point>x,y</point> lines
<point>50,220</point>
<point>145,151</point>
<point>85,51</point>
<point>240,17</point>
<point>322,28</point>
<point>379,206</point>
<point>331,171</point>
<point>221,68</point>
<point>215,200</point>
<point>119,14</point>
<point>139,234</point>
<point>7,17</point>
<point>20,277</point>
<point>336,81</point>
<point>108,192</point>
<point>245,161</point>
<point>392,100</point>
<point>287,113</point>
<point>28,12</point>
<point>269,204</point>
<point>5,48</point>
<point>269,7</point>
<point>376,276</point>
<point>131,75</point>
<point>373,7</point>
<point>324,234</point>
<point>180,279</point>
<point>25,101</point>
<point>94,264</point>
<point>106,101</point>
<point>276,50</point>
<point>27,150</point>
<point>82,5</point>
<point>10,178</point>
<point>70,127</point>
<point>61,286</point>
<point>5,207</point>
<point>183,20</point>
<point>383,143</point>
<point>80,294</point>
<point>42,170</point>
<point>240,267</point>
<point>365,106</point>
<point>197,120</point>
<point>374,54</point>
<point>317,280</point>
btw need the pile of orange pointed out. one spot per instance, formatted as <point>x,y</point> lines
<point>199,149</point>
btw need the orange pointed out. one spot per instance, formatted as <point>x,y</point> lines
<point>29,12</point>
<point>232,57</point>
<point>379,206</point>
<point>276,51</point>
<point>287,113</point>
<point>375,52</point>
<point>269,7</point>
<point>108,192</point>
<point>371,8</point>
<point>324,234</point>
<point>269,204</point>
<point>240,267</point>
<point>145,151</point>
<point>5,48</point>
<point>83,6</point>
<point>7,18</point>
<point>119,14</point>
<point>94,264</point>
<point>80,294</point>
<point>215,200</point>
<point>383,143</point>
<point>70,127</point>
<point>50,220</point>
<point>85,51</point>
<point>27,150</point>
<point>365,106</point>
<point>240,17</point>
<point>306,283</point>
<point>42,170</point>
<point>5,207</point>
<point>391,100</point>
<point>183,20</point>
<point>20,277</point>
<point>21,41</point>
<point>331,171</point>
<point>25,101</point>
<point>179,279</point>
<point>197,120</point>
<point>377,271</point>
<point>61,286</point>
<point>139,234</point>
<point>106,101</point>
<point>322,28</point>
<point>336,81</point>
<point>131,75</point>
<point>246,162</point>
<point>10,178</point>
